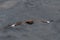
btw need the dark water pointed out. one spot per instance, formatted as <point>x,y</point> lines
<point>12,11</point>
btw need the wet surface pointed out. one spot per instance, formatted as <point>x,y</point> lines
<point>12,11</point>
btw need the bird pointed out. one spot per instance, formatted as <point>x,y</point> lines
<point>29,22</point>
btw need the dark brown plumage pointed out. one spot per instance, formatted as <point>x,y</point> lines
<point>29,22</point>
